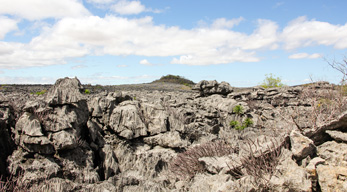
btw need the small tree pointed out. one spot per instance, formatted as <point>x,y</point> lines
<point>271,81</point>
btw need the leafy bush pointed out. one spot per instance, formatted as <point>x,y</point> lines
<point>238,109</point>
<point>86,91</point>
<point>271,81</point>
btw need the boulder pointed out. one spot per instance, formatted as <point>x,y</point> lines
<point>332,178</point>
<point>170,139</point>
<point>301,145</point>
<point>337,135</point>
<point>65,91</point>
<point>128,121</point>
<point>207,88</point>
<point>333,153</point>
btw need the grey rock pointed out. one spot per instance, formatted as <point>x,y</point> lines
<point>337,135</point>
<point>40,145</point>
<point>128,121</point>
<point>36,169</point>
<point>65,91</point>
<point>332,178</point>
<point>318,134</point>
<point>289,176</point>
<point>110,162</point>
<point>311,170</point>
<point>333,153</point>
<point>215,164</point>
<point>170,139</point>
<point>156,118</point>
<point>301,145</point>
<point>66,139</point>
<point>207,88</point>
<point>29,124</point>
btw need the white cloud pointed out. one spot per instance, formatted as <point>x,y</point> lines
<point>27,80</point>
<point>101,1</point>
<point>146,62</point>
<point>77,37</point>
<point>78,66</point>
<point>41,9</point>
<point>224,23</point>
<point>302,33</point>
<point>122,66</point>
<point>125,7</point>
<point>305,56</point>
<point>74,37</point>
<point>7,25</point>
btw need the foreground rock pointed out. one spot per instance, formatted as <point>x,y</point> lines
<point>66,140</point>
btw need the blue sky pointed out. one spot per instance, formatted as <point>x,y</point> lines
<point>113,42</point>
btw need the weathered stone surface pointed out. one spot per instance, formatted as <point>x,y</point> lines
<point>334,153</point>
<point>311,170</point>
<point>207,88</point>
<point>29,125</point>
<point>337,135</point>
<point>36,169</point>
<point>332,178</point>
<point>170,139</point>
<point>290,176</point>
<point>67,117</point>
<point>65,91</point>
<point>124,141</point>
<point>128,121</point>
<point>301,145</point>
<point>215,164</point>
<point>110,162</point>
<point>40,145</point>
<point>318,135</point>
<point>66,139</point>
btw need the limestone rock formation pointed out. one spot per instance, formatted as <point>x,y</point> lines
<point>128,140</point>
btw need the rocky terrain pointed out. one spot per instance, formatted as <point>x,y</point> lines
<point>212,138</point>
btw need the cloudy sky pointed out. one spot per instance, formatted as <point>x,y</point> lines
<point>132,41</point>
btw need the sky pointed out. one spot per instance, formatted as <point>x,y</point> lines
<point>112,42</point>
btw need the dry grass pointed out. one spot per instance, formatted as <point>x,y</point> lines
<point>187,164</point>
<point>259,163</point>
<point>325,105</point>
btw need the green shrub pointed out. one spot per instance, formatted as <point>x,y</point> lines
<point>86,91</point>
<point>234,123</point>
<point>248,122</point>
<point>271,81</point>
<point>238,109</point>
<point>41,92</point>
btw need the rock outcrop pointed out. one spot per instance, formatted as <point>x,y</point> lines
<point>66,140</point>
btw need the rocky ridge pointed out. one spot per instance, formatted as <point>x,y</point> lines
<point>152,140</point>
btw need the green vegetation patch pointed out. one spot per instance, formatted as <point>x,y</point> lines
<point>175,79</point>
<point>271,81</point>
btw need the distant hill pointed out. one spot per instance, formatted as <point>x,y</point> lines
<point>174,79</point>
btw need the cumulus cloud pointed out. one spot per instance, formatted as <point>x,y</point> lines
<point>305,56</point>
<point>101,1</point>
<point>302,33</point>
<point>125,7</point>
<point>7,25</point>
<point>74,37</point>
<point>78,66</point>
<point>224,23</point>
<point>41,9</point>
